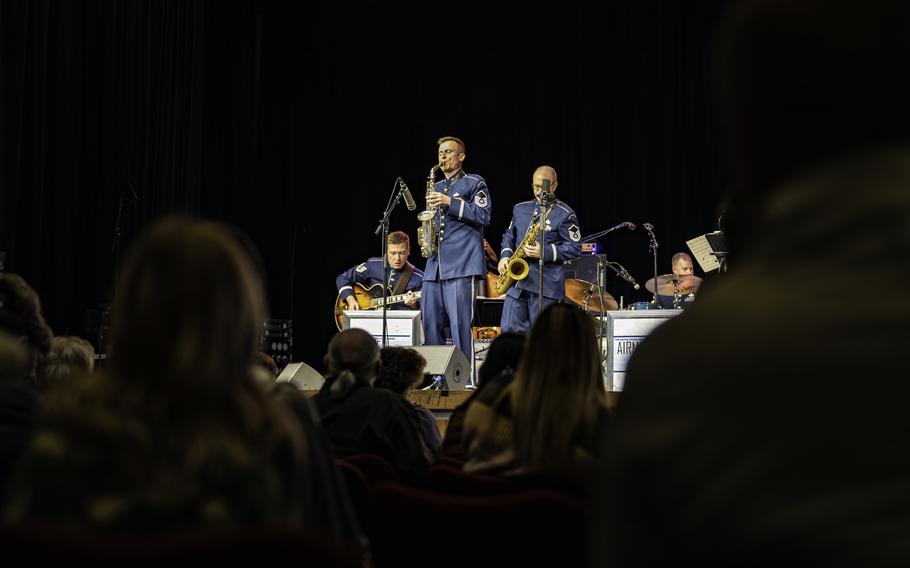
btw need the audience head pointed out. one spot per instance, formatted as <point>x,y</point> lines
<point>402,369</point>
<point>353,355</point>
<point>13,358</point>
<point>502,356</point>
<point>20,315</point>
<point>268,363</point>
<point>559,389</point>
<point>808,81</point>
<point>189,309</point>
<point>69,355</point>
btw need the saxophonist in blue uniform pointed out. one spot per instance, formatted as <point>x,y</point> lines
<point>521,251</point>
<point>451,237</point>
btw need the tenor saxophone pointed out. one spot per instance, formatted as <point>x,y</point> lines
<point>518,269</point>
<point>426,232</point>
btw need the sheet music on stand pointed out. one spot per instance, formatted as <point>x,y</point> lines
<point>704,247</point>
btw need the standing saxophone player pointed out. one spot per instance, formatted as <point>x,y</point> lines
<point>562,242</point>
<point>462,209</point>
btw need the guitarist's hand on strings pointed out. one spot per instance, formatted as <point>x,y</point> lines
<point>411,302</point>
<point>352,303</point>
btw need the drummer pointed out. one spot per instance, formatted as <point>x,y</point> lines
<point>680,265</point>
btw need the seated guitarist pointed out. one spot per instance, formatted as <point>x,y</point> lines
<point>403,276</point>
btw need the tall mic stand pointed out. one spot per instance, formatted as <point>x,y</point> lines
<point>603,233</point>
<point>543,208</point>
<point>383,229</point>
<point>653,246</point>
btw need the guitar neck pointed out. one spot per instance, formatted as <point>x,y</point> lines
<point>377,302</point>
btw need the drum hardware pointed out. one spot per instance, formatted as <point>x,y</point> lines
<point>590,292</point>
<point>587,296</point>
<point>679,286</point>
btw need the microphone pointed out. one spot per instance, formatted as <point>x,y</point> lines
<point>624,274</point>
<point>648,227</point>
<point>624,224</point>
<point>545,197</point>
<point>628,278</point>
<point>408,198</point>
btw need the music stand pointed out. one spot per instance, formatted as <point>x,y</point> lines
<point>710,250</point>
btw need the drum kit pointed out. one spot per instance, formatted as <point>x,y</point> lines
<point>587,296</point>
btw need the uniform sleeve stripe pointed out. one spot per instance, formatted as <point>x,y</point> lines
<point>343,288</point>
<point>554,251</point>
<point>461,209</point>
<point>504,250</point>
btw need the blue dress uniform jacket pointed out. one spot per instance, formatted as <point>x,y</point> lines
<point>369,273</point>
<point>460,229</point>
<point>562,242</point>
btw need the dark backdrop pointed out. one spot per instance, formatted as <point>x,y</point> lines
<point>292,122</point>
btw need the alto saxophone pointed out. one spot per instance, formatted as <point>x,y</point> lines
<point>518,269</point>
<point>426,232</point>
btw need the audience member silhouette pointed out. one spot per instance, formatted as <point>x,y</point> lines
<point>20,315</point>
<point>19,403</point>
<point>179,434</point>
<point>498,367</point>
<point>68,355</point>
<point>402,370</point>
<point>545,421</point>
<point>768,424</point>
<point>361,419</point>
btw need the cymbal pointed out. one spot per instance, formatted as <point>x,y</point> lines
<point>587,295</point>
<point>667,283</point>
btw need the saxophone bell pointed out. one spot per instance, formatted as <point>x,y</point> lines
<point>518,269</point>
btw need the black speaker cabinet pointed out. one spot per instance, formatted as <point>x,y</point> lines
<point>447,361</point>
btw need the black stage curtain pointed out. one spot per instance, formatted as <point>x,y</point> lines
<point>291,121</point>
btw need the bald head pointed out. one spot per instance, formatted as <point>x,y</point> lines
<point>540,174</point>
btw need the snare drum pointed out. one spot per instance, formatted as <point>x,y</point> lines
<point>640,306</point>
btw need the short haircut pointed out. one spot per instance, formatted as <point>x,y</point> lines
<point>452,139</point>
<point>69,355</point>
<point>402,368</point>
<point>399,237</point>
<point>680,256</point>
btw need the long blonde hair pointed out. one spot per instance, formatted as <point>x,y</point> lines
<point>558,390</point>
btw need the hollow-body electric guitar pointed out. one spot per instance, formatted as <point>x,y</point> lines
<point>370,299</point>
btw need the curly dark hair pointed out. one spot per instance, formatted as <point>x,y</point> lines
<point>402,368</point>
<point>20,313</point>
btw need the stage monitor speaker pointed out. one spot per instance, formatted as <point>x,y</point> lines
<point>301,376</point>
<point>447,361</point>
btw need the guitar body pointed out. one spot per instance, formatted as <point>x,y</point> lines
<point>363,296</point>
<point>368,299</point>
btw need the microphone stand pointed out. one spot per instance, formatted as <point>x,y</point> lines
<point>383,228</point>
<point>653,246</point>
<point>603,233</point>
<point>543,208</point>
